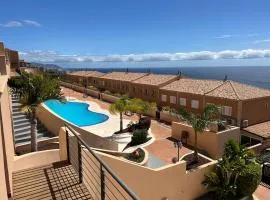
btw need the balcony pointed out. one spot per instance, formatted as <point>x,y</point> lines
<point>80,174</point>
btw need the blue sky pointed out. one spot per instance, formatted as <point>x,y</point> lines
<point>94,30</point>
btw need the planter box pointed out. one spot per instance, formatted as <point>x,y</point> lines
<point>92,93</point>
<point>108,98</point>
<point>151,113</point>
<point>167,117</point>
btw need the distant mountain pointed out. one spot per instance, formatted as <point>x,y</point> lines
<point>47,66</point>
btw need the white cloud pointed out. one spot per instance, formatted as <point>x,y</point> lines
<point>23,23</point>
<point>55,57</point>
<point>11,24</point>
<point>32,23</point>
<point>261,41</point>
<point>226,36</point>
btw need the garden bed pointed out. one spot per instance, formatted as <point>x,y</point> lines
<point>190,161</point>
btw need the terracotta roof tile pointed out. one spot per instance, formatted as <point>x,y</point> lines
<point>123,76</point>
<point>87,73</point>
<point>155,79</point>
<point>193,86</point>
<point>238,91</point>
<point>262,129</point>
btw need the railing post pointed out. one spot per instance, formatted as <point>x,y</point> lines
<point>67,143</point>
<point>102,182</point>
<point>79,161</point>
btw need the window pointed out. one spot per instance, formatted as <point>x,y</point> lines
<point>164,98</point>
<point>145,91</point>
<point>183,101</point>
<point>173,99</point>
<point>195,104</point>
<point>226,110</point>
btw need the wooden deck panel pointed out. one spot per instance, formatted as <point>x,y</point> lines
<point>56,181</point>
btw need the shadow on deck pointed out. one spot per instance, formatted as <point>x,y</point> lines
<point>55,181</point>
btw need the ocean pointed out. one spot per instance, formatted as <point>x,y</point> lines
<point>252,75</point>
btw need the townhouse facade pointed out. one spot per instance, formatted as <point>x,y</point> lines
<point>118,82</point>
<point>85,78</point>
<point>241,104</point>
<point>147,87</point>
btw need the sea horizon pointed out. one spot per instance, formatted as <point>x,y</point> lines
<point>253,75</point>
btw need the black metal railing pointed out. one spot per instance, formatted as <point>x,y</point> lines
<point>98,177</point>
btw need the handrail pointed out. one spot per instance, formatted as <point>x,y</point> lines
<point>103,164</point>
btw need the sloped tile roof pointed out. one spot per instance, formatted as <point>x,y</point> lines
<point>155,79</point>
<point>87,73</point>
<point>123,76</point>
<point>238,91</point>
<point>262,129</point>
<point>193,86</point>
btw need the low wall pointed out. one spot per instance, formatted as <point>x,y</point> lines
<point>77,88</point>
<point>171,182</point>
<point>167,117</point>
<point>108,98</point>
<point>151,113</point>
<point>212,143</point>
<point>27,147</point>
<point>53,123</point>
<point>36,159</point>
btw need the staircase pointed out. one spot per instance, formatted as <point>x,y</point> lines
<point>22,125</point>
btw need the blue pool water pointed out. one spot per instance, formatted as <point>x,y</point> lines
<point>76,112</point>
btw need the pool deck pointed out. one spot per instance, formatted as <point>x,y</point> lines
<point>162,148</point>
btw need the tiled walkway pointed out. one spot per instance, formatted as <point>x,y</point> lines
<point>56,181</point>
<point>162,148</point>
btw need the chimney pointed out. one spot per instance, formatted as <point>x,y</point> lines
<point>225,78</point>
<point>179,74</point>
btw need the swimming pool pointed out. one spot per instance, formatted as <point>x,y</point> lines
<point>76,112</point>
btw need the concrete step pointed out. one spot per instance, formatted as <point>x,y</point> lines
<point>22,129</point>
<point>21,125</point>
<point>20,121</point>
<point>26,138</point>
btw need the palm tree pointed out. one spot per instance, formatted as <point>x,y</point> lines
<point>199,122</point>
<point>120,106</point>
<point>34,90</point>
<point>139,106</point>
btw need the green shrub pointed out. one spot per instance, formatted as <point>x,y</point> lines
<point>249,179</point>
<point>139,136</point>
<point>236,175</point>
<point>136,156</point>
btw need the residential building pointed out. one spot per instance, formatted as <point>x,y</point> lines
<point>147,87</point>
<point>241,104</point>
<point>13,59</point>
<point>4,61</point>
<point>118,82</point>
<point>85,77</point>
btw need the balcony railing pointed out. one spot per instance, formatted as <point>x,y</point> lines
<point>98,177</point>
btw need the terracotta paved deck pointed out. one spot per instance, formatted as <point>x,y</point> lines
<point>262,193</point>
<point>162,148</point>
<point>56,181</point>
